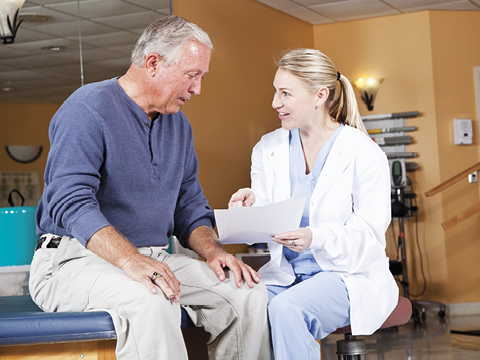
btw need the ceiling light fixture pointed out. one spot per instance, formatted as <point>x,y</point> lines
<point>7,88</point>
<point>35,18</point>
<point>8,19</point>
<point>368,90</point>
<point>53,48</point>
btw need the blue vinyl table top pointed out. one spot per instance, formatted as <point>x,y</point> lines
<point>23,322</point>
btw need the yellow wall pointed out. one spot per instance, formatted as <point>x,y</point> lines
<point>427,61</point>
<point>25,124</point>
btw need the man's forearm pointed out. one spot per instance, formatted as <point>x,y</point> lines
<point>110,245</point>
<point>203,240</point>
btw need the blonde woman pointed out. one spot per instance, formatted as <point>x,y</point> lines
<point>332,271</point>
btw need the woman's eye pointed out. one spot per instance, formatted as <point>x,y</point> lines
<point>286,93</point>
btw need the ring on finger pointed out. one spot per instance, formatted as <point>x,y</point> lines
<point>155,276</point>
<point>293,242</point>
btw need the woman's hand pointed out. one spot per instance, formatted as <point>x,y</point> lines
<point>243,197</point>
<point>295,240</point>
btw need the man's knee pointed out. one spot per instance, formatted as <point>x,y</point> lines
<point>254,299</point>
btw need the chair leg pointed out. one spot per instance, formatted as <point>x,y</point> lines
<point>351,348</point>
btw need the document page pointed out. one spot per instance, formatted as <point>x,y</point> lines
<point>257,224</point>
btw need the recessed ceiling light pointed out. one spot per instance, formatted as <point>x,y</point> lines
<point>7,88</point>
<point>53,48</point>
<point>34,18</point>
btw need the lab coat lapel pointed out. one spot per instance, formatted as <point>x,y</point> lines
<point>338,160</point>
<point>278,156</point>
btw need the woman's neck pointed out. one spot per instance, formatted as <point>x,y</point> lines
<point>314,138</point>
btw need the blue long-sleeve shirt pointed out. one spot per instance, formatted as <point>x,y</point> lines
<point>110,165</point>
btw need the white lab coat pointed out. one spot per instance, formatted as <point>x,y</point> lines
<point>350,210</point>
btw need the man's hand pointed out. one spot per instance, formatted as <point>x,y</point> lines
<point>203,241</point>
<point>221,260</point>
<point>109,244</point>
<point>142,269</point>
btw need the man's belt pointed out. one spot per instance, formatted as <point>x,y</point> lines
<point>48,242</point>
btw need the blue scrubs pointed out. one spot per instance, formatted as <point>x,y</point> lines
<point>317,302</point>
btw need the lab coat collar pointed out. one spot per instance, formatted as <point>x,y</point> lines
<point>338,160</point>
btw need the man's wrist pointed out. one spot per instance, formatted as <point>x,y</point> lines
<point>203,240</point>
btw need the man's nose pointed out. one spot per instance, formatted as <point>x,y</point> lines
<point>196,86</point>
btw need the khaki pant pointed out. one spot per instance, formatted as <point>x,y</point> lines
<point>72,278</point>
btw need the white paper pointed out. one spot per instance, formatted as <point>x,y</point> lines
<point>257,224</point>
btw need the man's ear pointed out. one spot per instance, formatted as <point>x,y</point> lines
<point>152,63</point>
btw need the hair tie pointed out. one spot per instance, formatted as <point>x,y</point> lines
<point>338,76</point>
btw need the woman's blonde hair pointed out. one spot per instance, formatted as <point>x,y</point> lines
<point>316,70</point>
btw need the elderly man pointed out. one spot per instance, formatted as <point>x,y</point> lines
<point>121,178</point>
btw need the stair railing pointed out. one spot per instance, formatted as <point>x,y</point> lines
<point>447,224</point>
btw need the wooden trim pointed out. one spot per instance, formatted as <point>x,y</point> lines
<point>91,350</point>
<point>466,341</point>
<point>461,216</point>
<point>453,180</point>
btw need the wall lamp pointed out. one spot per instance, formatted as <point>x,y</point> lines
<point>24,153</point>
<point>368,90</point>
<point>9,10</point>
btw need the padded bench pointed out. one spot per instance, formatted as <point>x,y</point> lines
<point>24,327</point>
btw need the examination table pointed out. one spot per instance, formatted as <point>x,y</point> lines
<point>27,332</point>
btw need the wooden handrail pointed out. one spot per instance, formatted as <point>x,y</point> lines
<point>461,216</point>
<point>453,180</point>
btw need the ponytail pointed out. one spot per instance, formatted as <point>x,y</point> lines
<point>344,108</point>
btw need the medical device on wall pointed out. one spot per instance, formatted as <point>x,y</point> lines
<point>398,173</point>
<point>401,195</point>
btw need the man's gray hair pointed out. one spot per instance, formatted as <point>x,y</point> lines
<point>166,37</point>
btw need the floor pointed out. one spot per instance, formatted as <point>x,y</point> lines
<point>431,341</point>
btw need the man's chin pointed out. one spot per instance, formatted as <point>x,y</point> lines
<point>170,111</point>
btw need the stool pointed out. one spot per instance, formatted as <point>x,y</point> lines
<point>352,348</point>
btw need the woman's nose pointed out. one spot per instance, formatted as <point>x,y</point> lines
<point>275,103</point>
